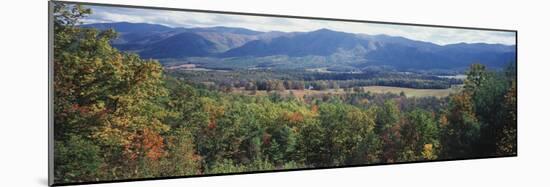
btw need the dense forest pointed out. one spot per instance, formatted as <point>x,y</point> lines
<point>117,116</point>
<point>300,80</point>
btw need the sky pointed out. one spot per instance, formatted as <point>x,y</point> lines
<point>437,35</point>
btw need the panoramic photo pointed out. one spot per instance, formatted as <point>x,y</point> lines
<point>149,93</point>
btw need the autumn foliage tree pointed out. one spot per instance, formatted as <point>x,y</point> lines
<point>420,136</point>
<point>105,97</point>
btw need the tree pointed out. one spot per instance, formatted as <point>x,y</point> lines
<point>475,77</point>
<point>402,94</point>
<point>312,145</point>
<point>275,85</point>
<point>420,136</point>
<point>387,116</point>
<point>77,159</point>
<point>388,125</point>
<point>226,86</point>
<point>251,86</point>
<point>334,85</point>
<point>181,158</point>
<point>489,96</point>
<point>298,85</point>
<point>461,130</point>
<point>321,85</point>
<point>105,95</point>
<point>507,140</point>
<point>361,144</point>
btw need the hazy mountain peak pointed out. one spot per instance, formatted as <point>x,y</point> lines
<point>234,30</point>
<point>161,42</point>
<point>324,30</point>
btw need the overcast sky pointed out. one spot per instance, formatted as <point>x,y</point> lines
<point>442,36</point>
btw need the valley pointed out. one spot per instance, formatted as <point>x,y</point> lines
<point>320,61</point>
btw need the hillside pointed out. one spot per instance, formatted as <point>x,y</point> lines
<point>341,49</point>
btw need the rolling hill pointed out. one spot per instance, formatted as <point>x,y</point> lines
<point>338,48</point>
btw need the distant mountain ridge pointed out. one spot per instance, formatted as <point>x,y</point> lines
<point>161,42</point>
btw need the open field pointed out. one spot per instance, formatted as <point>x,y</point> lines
<point>409,92</point>
<point>412,92</point>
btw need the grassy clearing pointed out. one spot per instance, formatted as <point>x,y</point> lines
<point>409,92</point>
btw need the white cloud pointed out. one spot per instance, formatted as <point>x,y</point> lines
<point>436,35</point>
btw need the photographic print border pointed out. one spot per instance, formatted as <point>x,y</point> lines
<point>51,89</point>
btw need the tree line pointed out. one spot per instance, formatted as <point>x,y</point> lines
<point>260,80</point>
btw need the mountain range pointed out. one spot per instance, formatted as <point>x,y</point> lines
<point>355,50</point>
